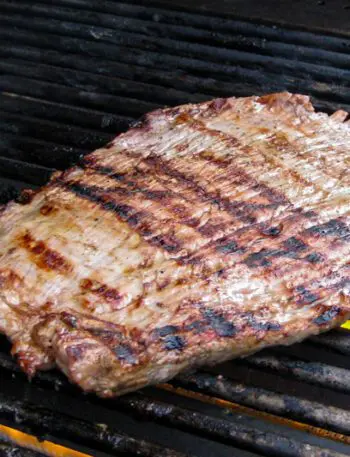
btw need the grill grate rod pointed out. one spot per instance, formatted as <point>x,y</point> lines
<point>228,431</point>
<point>211,22</point>
<point>99,436</point>
<point>337,340</point>
<point>311,412</point>
<point>253,75</point>
<point>312,372</point>
<point>200,39</point>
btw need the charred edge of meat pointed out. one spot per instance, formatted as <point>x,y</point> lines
<point>334,227</point>
<point>43,256</point>
<point>26,196</point>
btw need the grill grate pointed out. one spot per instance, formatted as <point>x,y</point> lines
<point>74,74</point>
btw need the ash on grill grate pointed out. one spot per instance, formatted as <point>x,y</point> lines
<point>74,74</point>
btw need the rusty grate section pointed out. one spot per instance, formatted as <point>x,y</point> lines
<point>74,74</point>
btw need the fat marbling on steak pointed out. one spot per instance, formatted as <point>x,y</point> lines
<point>204,233</point>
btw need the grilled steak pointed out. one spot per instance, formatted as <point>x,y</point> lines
<point>204,233</point>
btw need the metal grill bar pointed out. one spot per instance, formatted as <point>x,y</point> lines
<point>252,74</point>
<point>97,120</point>
<point>99,436</point>
<point>152,12</point>
<point>146,34</point>
<point>228,431</point>
<point>32,174</point>
<point>337,340</point>
<point>311,412</point>
<point>149,27</point>
<point>44,153</point>
<point>312,372</point>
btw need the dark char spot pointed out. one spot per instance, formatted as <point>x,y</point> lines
<point>172,342</point>
<point>272,231</point>
<point>305,296</point>
<point>314,257</point>
<point>327,316</point>
<point>125,353</point>
<point>261,258</point>
<point>197,327</point>
<point>166,330</point>
<point>218,322</point>
<point>227,248</point>
<point>294,244</point>
<point>333,227</point>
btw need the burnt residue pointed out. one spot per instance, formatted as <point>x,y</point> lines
<point>70,320</point>
<point>197,326</point>
<point>314,257</point>
<point>226,245</point>
<point>334,227</point>
<point>305,296</point>
<point>219,323</point>
<point>294,244</point>
<point>125,354</point>
<point>272,231</point>
<point>327,316</point>
<point>265,326</point>
<point>167,242</point>
<point>166,330</point>
<point>174,342</point>
<point>26,196</point>
<point>262,257</point>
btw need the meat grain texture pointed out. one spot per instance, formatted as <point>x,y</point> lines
<point>204,233</point>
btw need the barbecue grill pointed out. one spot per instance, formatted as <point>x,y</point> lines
<point>74,74</point>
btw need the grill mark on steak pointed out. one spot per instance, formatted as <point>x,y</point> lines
<point>137,220</point>
<point>327,316</point>
<point>111,295</point>
<point>333,228</point>
<point>43,256</point>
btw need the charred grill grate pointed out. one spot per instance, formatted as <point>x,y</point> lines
<point>74,74</point>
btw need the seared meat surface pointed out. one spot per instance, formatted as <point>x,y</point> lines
<point>204,233</point>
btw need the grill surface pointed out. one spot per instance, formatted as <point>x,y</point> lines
<point>73,75</point>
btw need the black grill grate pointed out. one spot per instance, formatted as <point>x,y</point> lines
<point>74,74</point>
